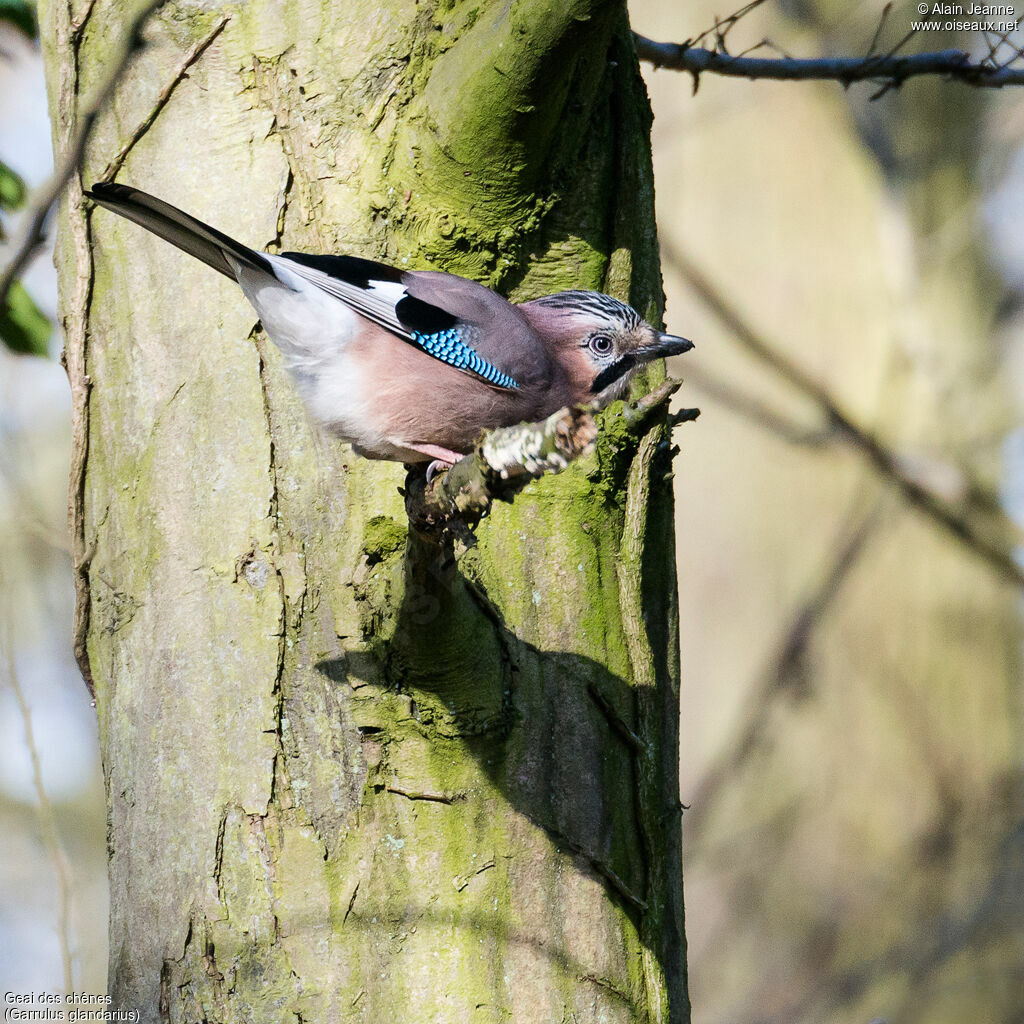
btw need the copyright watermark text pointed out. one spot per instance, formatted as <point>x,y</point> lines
<point>971,17</point>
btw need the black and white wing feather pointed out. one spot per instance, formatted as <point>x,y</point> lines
<point>457,321</point>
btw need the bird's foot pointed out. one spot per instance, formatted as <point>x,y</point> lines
<point>443,458</point>
<point>437,466</point>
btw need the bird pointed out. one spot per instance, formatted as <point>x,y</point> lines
<point>415,366</point>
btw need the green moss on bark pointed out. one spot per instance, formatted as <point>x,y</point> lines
<point>348,781</point>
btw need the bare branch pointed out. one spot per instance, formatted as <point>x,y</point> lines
<point>68,163</point>
<point>508,459</point>
<point>179,76</point>
<point>891,70</point>
<point>504,462</point>
<point>956,517</point>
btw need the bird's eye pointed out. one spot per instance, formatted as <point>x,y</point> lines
<point>601,344</point>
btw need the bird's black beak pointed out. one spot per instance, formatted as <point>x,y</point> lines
<point>666,345</point>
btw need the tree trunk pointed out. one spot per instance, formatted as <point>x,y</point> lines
<point>346,778</point>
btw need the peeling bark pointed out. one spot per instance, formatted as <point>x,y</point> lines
<point>347,778</point>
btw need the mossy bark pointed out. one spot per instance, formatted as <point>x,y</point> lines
<point>348,780</point>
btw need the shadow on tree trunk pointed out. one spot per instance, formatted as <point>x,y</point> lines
<point>555,734</point>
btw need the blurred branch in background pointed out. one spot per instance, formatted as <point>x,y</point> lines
<point>23,327</point>
<point>67,164</point>
<point>758,412</point>
<point>947,494</point>
<point>888,70</point>
<point>787,673</point>
<point>47,821</point>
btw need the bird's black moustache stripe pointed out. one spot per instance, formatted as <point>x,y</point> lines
<point>612,373</point>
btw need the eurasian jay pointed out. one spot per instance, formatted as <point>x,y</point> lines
<point>414,365</point>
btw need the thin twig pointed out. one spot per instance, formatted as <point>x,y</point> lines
<point>598,865</point>
<point>721,27</point>
<point>179,76</point>
<point>878,30</point>
<point>889,70</point>
<point>887,463</point>
<point>419,794</point>
<point>47,821</point>
<point>49,192</point>
<point>614,719</point>
<point>891,83</point>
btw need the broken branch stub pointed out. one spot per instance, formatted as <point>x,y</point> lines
<point>507,459</point>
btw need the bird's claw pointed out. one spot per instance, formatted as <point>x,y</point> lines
<point>437,466</point>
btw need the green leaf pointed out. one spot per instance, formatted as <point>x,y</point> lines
<point>12,188</point>
<point>21,14</point>
<point>23,327</point>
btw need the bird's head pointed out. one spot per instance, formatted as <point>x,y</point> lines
<point>599,340</point>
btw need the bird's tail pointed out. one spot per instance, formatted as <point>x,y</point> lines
<point>178,228</point>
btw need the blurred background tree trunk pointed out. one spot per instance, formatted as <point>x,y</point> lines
<point>852,738</point>
<point>345,780</point>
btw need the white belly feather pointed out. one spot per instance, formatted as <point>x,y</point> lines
<point>314,331</point>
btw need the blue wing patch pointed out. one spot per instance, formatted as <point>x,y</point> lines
<point>447,346</point>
